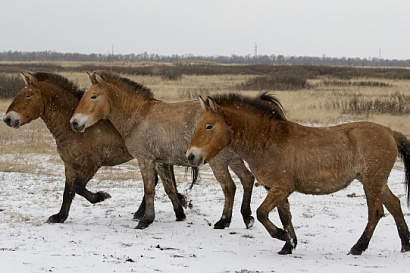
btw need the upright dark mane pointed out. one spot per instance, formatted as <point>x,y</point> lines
<point>126,83</point>
<point>60,81</point>
<point>265,104</point>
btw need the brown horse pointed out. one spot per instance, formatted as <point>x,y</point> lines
<point>286,157</point>
<point>54,98</point>
<point>157,132</point>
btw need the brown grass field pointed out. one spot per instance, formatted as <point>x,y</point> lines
<point>324,100</point>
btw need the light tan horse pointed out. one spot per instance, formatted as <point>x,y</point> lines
<point>53,98</point>
<point>157,132</point>
<point>286,157</point>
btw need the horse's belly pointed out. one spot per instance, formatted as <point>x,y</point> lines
<point>324,185</point>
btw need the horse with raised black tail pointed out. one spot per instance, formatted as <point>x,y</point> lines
<point>285,157</point>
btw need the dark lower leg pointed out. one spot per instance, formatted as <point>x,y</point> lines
<point>375,212</point>
<point>286,219</point>
<point>166,172</point>
<point>392,204</point>
<point>275,197</point>
<point>247,181</point>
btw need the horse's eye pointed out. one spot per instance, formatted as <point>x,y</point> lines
<point>209,126</point>
<point>28,96</point>
<point>93,97</point>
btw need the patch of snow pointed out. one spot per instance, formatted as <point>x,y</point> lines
<point>102,238</point>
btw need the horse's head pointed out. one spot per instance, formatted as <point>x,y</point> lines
<point>211,135</point>
<point>93,106</point>
<point>27,105</point>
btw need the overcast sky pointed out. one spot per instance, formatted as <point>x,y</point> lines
<point>348,28</point>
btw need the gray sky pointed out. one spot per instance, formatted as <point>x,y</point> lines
<point>348,28</point>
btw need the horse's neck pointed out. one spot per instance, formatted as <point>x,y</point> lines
<point>126,111</point>
<point>57,117</point>
<point>249,134</point>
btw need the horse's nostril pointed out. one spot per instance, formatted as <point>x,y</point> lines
<point>191,157</point>
<point>75,123</point>
<point>7,120</point>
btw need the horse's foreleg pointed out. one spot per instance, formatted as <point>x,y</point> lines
<point>148,173</point>
<point>392,204</point>
<point>166,172</point>
<point>375,212</point>
<point>141,209</point>
<point>247,181</point>
<point>224,178</point>
<point>273,199</point>
<point>82,177</point>
<point>68,196</point>
<point>286,219</point>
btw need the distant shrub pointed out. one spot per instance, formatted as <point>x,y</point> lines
<point>395,104</point>
<point>10,85</point>
<point>172,75</point>
<point>356,83</point>
<point>274,82</point>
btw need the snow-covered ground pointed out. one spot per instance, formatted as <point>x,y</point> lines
<point>102,238</point>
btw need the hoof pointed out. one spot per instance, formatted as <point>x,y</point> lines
<point>56,218</point>
<point>355,252</point>
<point>221,224</point>
<point>104,195</point>
<point>405,248</point>
<point>143,223</point>
<point>181,218</point>
<point>249,222</point>
<point>287,249</point>
<point>101,196</point>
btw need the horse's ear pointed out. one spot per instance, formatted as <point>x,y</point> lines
<point>203,103</point>
<point>92,78</point>
<point>29,78</point>
<point>212,105</point>
<point>25,78</point>
<point>98,78</point>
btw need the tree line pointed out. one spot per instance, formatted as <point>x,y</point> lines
<point>233,59</point>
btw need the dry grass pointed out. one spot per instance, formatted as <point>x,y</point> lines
<point>306,106</point>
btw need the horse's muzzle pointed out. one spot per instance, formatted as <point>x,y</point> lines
<point>76,126</point>
<point>12,122</point>
<point>194,158</point>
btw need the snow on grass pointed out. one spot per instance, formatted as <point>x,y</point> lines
<point>102,238</point>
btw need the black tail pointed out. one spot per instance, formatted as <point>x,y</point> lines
<point>195,174</point>
<point>403,145</point>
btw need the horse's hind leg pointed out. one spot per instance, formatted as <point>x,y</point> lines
<point>166,173</point>
<point>286,219</point>
<point>392,204</point>
<point>277,197</point>
<point>375,212</point>
<point>247,181</point>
